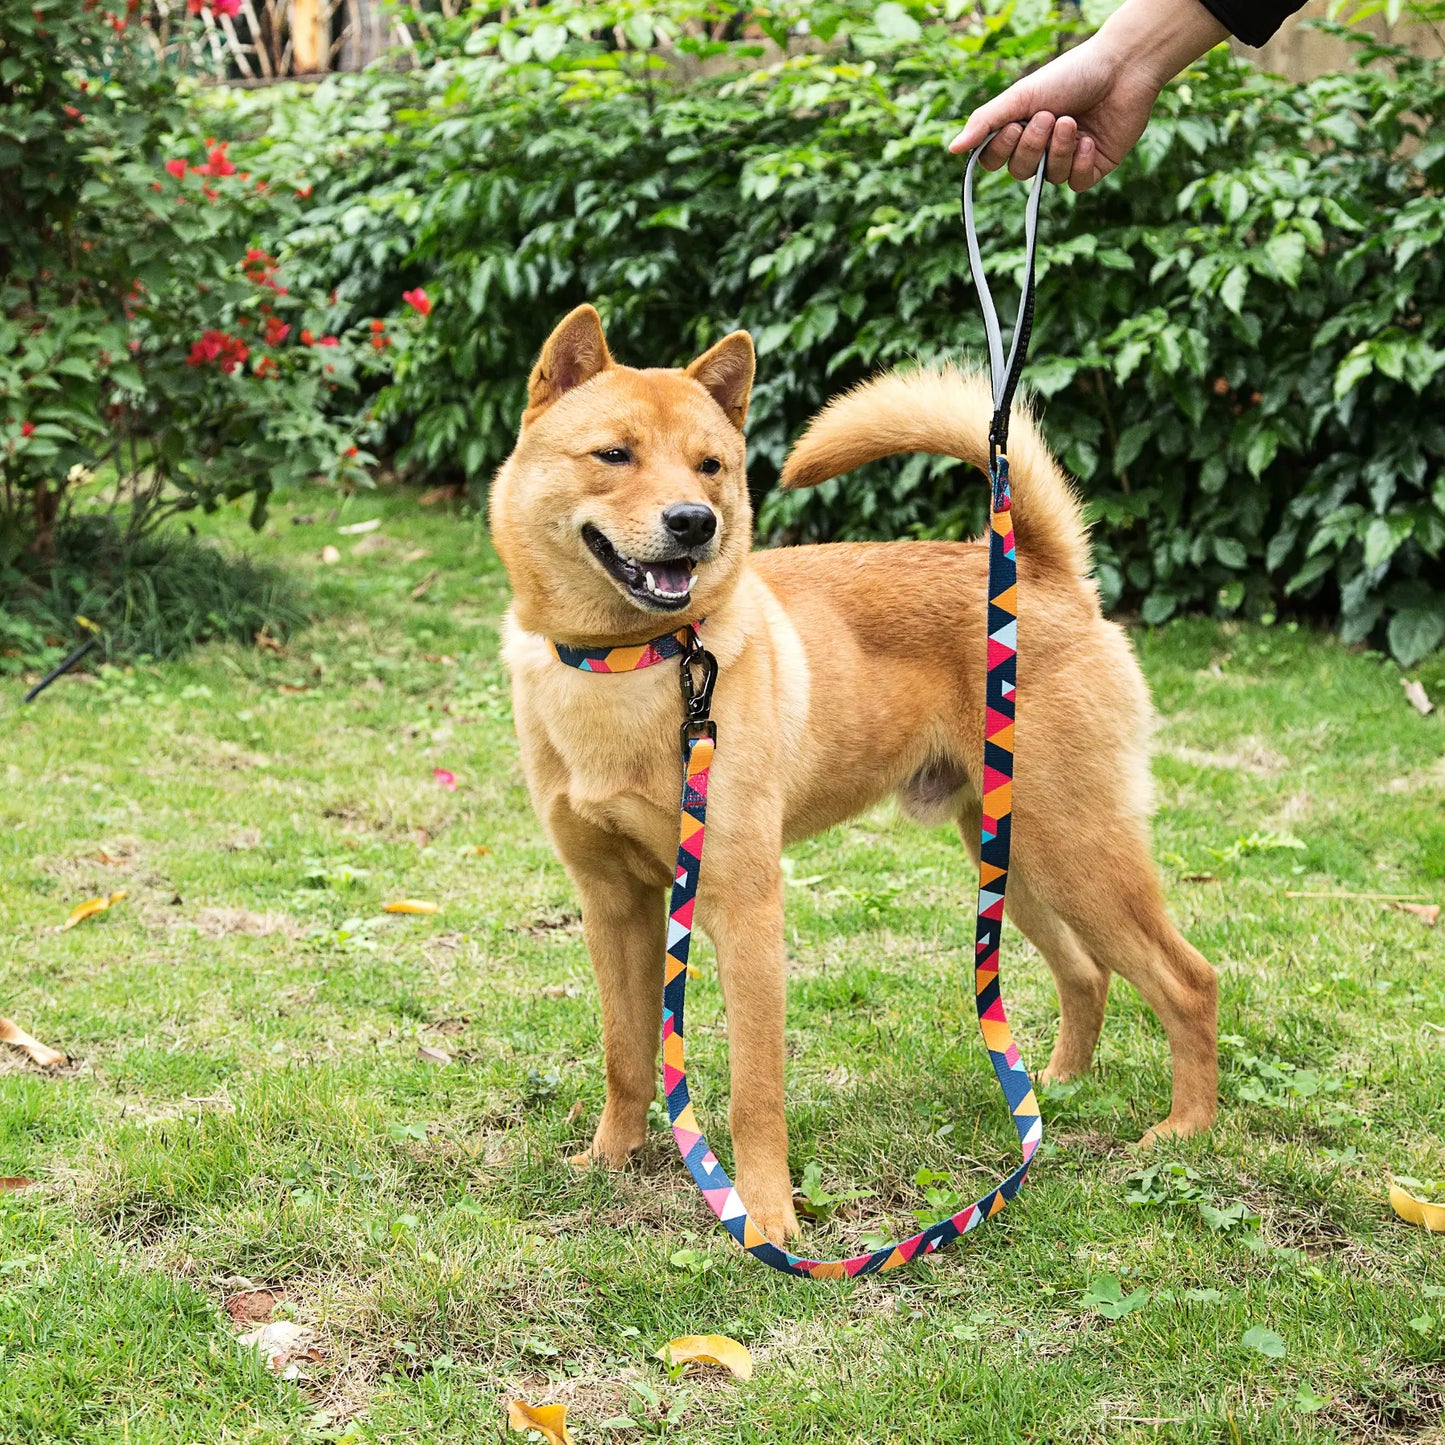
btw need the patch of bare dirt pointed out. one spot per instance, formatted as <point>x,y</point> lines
<point>548,925</point>
<point>227,922</point>
<point>1252,756</point>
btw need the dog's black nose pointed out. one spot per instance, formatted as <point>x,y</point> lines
<point>690,522</point>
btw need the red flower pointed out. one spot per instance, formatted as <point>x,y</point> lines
<point>177,168</point>
<point>255,254</point>
<point>276,331</point>
<point>330,341</point>
<point>209,194</point>
<point>71,111</point>
<point>27,428</point>
<point>349,452</point>
<point>266,367</point>
<point>378,327</point>
<point>195,6</point>
<point>227,351</point>
<point>217,163</point>
<point>226,7</point>
<point>304,191</point>
<point>307,338</point>
<point>418,300</point>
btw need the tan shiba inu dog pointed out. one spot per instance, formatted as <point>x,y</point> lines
<point>848,672</point>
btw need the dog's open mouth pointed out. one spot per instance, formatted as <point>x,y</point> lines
<point>663,586</point>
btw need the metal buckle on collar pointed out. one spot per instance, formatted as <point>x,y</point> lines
<point>697,695</point>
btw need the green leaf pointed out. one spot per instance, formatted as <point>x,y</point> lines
<point>1264,1342</point>
<point>1286,255</point>
<point>1415,633</point>
<point>893,22</point>
<point>1305,1399</point>
<point>1231,553</point>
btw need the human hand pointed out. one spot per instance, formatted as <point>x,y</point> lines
<point>1089,106</point>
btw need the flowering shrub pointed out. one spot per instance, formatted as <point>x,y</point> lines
<point>1240,337</point>
<point>147,337</point>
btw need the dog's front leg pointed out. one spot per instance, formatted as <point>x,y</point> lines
<point>743,914</point>
<point>625,925</point>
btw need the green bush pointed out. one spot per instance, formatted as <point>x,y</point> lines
<point>1240,337</point>
<point>148,343</point>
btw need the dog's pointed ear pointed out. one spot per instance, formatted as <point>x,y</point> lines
<point>726,370</point>
<point>575,352</point>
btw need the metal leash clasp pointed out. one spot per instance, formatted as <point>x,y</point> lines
<point>697,694</point>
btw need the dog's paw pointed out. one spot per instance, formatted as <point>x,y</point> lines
<point>1175,1127</point>
<point>613,1147</point>
<point>772,1211</point>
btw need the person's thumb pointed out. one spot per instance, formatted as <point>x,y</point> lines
<point>1015,103</point>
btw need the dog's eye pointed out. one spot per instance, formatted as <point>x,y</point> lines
<point>614,456</point>
<point>710,466</point>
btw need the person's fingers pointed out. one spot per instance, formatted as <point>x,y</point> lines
<point>1032,143</point>
<point>1084,171</point>
<point>1061,150</point>
<point>991,116</point>
<point>996,153</point>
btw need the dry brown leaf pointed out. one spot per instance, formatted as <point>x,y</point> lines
<point>251,1306</point>
<point>423,838</point>
<point>575,1112</point>
<point>417,554</point>
<point>446,493</point>
<point>291,688</point>
<point>1429,912</point>
<point>549,1421</point>
<point>476,850</point>
<point>1198,878</point>
<point>330,554</point>
<point>90,908</point>
<point>410,905</point>
<point>709,1350</point>
<point>15,1181</point>
<point>559,990</point>
<point>264,639</point>
<point>422,587</point>
<point>1417,697</point>
<point>1417,1211</point>
<point>42,1054</point>
<point>430,1054</point>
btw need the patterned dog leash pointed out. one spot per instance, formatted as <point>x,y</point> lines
<point>698,675</point>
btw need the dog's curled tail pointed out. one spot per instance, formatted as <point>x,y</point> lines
<point>947,411</point>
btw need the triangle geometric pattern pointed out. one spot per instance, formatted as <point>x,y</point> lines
<point>998,771</point>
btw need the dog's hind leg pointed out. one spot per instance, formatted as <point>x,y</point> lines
<point>1081,983</point>
<point>1106,891</point>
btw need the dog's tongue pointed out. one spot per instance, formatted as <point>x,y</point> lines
<point>670,576</point>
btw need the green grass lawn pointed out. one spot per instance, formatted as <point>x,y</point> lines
<point>248,1102</point>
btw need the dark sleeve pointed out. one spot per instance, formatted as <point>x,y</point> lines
<point>1252,21</point>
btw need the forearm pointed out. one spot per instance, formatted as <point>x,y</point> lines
<point>1159,38</point>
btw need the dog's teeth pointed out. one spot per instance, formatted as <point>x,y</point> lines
<point>651,585</point>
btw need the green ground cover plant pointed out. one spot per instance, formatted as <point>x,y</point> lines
<point>1239,345</point>
<point>250,1103</point>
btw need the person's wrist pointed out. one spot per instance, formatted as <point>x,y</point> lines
<point>1151,41</point>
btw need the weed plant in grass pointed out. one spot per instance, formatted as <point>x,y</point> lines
<point>157,596</point>
<point>249,1102</point>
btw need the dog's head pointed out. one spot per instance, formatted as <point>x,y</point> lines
<point>624,507</point>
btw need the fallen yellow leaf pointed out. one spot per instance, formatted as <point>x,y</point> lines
<point>709,1350</point>
<point>410,905</point>
<point>42,1054</point>
<point>90,908</point>
<point>1417,1211</point>
<point>549,1421</point>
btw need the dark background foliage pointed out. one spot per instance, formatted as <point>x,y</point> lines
<point>1239,343</point>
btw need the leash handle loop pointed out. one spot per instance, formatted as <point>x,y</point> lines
<point>1004,374</point>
